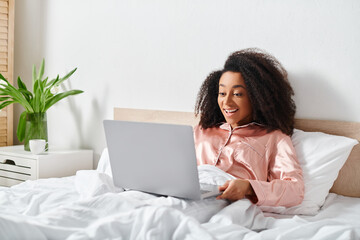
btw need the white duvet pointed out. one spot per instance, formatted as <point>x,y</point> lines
<point>89,206</point>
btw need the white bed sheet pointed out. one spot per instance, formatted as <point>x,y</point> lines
<point>89,206</point>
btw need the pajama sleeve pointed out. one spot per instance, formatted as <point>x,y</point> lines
<point>285,186</point>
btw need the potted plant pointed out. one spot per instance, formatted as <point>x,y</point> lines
<point>45,93</point>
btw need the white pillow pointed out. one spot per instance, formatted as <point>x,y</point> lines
<point>321,157</point>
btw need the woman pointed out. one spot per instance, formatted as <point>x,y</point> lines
<point>246,120</point>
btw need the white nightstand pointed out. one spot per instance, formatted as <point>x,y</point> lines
<point>18,165</point>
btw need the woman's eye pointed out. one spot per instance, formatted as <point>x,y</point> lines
<point>221,94</point>
<point>238,94</point>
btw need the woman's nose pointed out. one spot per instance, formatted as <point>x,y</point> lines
<point>227,99</point>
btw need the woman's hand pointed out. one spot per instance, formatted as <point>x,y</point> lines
<point>236,189</point>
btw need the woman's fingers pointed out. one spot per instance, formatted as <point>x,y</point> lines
<point>234,189</point>
<point>223,187</point>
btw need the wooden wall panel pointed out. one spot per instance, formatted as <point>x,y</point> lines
<point>7,11</point>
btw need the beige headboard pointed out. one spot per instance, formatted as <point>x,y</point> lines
<point>348,181</point>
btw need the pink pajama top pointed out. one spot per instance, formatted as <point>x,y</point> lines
<point>267,160</point>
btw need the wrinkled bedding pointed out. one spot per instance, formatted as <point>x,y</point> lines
<point>89,206</point>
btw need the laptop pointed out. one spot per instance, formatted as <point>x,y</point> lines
<point>155,158</point>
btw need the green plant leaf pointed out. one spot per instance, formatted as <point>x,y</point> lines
<point>42,94</point>
<point>3,78</point>
<point>4,86</point>
<point>16,96</point>
<point>44,82</point>
<point>4,104</point>
<point>41,70</point>
<point>47,92</point>
<point>4,98</point>
<point>20,131</point>
<point>53,82</point>
<point>4,92</point>
<point>54,99</point>
<point>37,96</point>
<point>58,80</point>
<point>33,75</point>
<point>21,84</point>
<point>67,76</point>
<point>27,94</point>
<point>35,86</point>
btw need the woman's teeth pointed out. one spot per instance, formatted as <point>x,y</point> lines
<point>230,111</point>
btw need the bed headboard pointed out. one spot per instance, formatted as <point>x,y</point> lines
<point>348,181</point>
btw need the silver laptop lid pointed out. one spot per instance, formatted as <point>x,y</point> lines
<point>154,158</point>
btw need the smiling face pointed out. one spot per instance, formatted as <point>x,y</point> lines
<point>233,99</point>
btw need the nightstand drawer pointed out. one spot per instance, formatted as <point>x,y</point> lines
<point>14,169</point>
<point>8,182</point>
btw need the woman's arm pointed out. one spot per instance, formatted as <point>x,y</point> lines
<point>237,189</point>
<point>285,186</point>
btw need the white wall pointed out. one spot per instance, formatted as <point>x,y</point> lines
<point>155,54</point>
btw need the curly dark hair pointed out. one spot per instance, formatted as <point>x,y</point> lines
<point>267,85</point>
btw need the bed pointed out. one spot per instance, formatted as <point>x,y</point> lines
<point>89,206</point>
